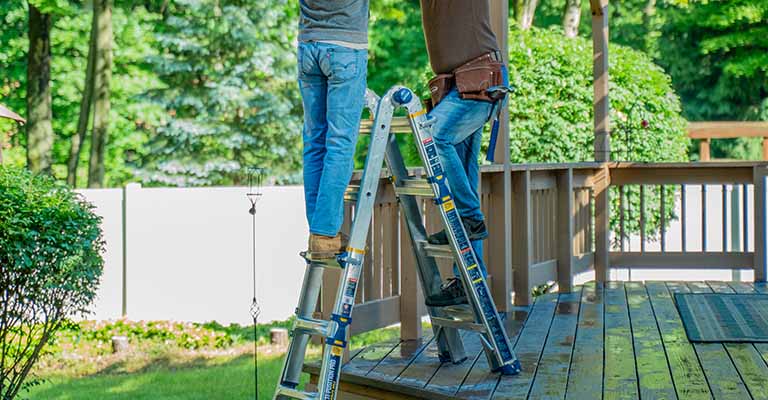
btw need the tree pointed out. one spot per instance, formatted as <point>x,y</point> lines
<point>102,15</point>
<point>571,18</point>
<point>717,55</point>
<point>230,97</point>
<point>525,11</point>
<point>85,107</point>
<point>39,114</point>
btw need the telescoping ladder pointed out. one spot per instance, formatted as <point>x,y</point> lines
<point>480,315</point>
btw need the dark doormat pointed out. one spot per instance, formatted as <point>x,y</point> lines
<point>715,317</point>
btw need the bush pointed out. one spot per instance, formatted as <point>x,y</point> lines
<point>551,109</point>
<point>50,263</point>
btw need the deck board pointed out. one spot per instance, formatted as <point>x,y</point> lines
<point>481,382</point>
<point>624,341</point>
<point>620,373</point>
<point>585,378</point>
<point>449,376</point>
<point>746,357</point>
<point>552,373</point>
<point>400,358</point>
<point>528,349</point>
<point>724,379</point>
<point>653,373</point>
<point>689,379</point>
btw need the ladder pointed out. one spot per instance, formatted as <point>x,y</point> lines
<point>480,315</point>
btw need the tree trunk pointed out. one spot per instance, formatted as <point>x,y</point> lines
<point>650,26</point>
<point>85,110</point>
<point>526,10</point>
<point>572,18</point>
<point>102,75</point>
<point>39,128</point>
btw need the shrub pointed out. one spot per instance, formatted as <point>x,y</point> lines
<point>50,263</point>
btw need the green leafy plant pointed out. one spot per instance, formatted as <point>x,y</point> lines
<point>50,263</point>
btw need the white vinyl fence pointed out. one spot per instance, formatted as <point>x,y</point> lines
<point>186,253</point>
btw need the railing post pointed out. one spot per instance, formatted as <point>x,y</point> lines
<point>761,236</point>
<point>704,149</point>
<point>565,230</point>
<point>765,148</point>
<point>522,255</point>
<point>600,75</point>
<point>411,297</point>
<point>602,223</point>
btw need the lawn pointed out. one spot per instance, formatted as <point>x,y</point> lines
<point>81,367</point>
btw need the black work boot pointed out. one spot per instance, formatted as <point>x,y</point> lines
<point>451,294</point>
<point>475,228</point>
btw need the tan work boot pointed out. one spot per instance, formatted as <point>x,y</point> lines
<point>321,246</point>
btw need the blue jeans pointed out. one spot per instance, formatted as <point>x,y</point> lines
<point>332,81</point>
<point>458,132</point>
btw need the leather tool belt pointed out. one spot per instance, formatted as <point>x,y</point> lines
<point>472,80</point>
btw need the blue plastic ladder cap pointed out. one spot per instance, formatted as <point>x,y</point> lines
<point>403,96</point>
<point>511,369</point>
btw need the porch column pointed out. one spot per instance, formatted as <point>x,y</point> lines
<point>502,272</point>
<point>600,74</point>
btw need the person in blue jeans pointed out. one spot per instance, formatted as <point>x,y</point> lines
<point>458,32</point>
<point>332,69</point>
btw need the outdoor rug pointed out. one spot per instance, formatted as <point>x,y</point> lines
<point>710,317</point>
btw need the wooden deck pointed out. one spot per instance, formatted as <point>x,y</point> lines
<point>624,341</point>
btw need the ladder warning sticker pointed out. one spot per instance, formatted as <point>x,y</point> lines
<point>337,351</point>
<point>448,206</point>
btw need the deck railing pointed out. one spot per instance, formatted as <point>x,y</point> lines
<point>560,227</point>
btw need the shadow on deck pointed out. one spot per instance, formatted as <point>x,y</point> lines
<point>622,341</point>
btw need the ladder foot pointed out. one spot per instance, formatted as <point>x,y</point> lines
<point>510,369</point>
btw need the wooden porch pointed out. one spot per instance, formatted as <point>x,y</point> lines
<point>620,340</point>
<point>623,339</point>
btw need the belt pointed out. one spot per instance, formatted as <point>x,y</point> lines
<point>494,56</point>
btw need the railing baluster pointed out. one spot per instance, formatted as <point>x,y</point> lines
<point>683,235</point>
<point>642,218</point>
<point>703,217</point>
<point>745,220</point>
<point>622,230</point>
<point>725,218</point>
<point>663,219</point>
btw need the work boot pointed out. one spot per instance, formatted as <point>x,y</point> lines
<point>451,294</point>
<point>322,247</point>
<point>475,228</point>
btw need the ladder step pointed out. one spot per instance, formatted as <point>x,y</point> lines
<point>311,326</point>
<point>294,393</point>
<point>469,325</point>
<point>352,193</point>
<point>437,251</point>
<point>414,187</point>
<point>320,262</point>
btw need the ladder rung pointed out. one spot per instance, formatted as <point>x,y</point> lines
<point>294,393</point>
<point>311,326</point>
<point>320,262</point>
<point>414,187</point>
<point>438,251</point>
<point>351,194</point>
<point>470,325</point>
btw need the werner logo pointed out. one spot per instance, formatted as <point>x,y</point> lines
<point>330,382</point>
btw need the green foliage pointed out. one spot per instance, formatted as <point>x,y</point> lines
<point>50,264</point>
<point>131,76</point>
<point>228,69</point>
<point>717,54</point>
<point>551,109</point>
<point>183,335</point>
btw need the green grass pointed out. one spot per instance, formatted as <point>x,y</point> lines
<point>174,374</point>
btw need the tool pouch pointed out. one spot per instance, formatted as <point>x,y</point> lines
<point>439,87</point>
<point>474,80</point>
